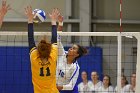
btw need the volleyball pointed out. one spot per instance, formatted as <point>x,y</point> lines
<point>40,16</point>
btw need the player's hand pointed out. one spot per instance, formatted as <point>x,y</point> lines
<point>54,14</point>
<point>59,87</point>
<point>4,9</point>
<point>60,23</point>
<point>29,14</point>
<point>60,18</point>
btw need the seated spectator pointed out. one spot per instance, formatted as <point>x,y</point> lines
<point>132,86</point>
<point>96,83</point>
<point>83,87</point>
<point>106,87</point>
<point>124,82</point>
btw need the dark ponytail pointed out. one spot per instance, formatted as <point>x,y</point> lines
<point>81,51</point>
<point>124,77</point>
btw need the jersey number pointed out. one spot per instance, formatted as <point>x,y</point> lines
<point>61,73</point>
<point>47,69</point>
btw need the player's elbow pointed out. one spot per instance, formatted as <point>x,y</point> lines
<point>68,87</point>
<point>71,88</point>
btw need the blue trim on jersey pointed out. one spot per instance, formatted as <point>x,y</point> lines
<point>75,89</point>
<point>75,71</point>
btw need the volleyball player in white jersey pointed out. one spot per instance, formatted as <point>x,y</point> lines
<point>67,65</point>
<point>3,10</point>
<point>96,83</point>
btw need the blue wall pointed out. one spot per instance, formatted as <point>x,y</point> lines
<point>15,73</point>
<point>91,62</point>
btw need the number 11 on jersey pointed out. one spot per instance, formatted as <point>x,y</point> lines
<point>42,71</point>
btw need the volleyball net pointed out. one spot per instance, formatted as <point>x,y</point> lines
<point>111,53</point>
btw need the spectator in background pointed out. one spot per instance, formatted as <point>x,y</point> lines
<point>96,83</point>
<point>124,84</point>
<point>106,87</point>
<point>83,87</point>
<point>132,87</point>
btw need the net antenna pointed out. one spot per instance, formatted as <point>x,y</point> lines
<point>120,66</point>
<point>121,18</point>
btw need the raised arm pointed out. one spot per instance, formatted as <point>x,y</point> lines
<point>53,16</point>
<point>28,12</point>
<point>3,10</point>
<point>61,50</point>
<point>54,34</point>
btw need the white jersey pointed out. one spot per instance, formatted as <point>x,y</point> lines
<point>67,74</point>
<point>129,89</point>
<point>84,88</point>
<point>95,87</point>
<point>124,89</point>
<point>105,90</point>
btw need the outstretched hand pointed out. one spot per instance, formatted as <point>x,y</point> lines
<point>4,9</point>
<point>60,18</point>
<point>60,22</point>
<point>54,14</point>
<point>29,14</point>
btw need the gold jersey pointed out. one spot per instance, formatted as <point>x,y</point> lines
<point>44,74</point>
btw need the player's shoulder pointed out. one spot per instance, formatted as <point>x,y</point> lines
<point>76,65</point>
<point>33,50</point>
<point>54,49</point>
<point>54,45</point>
<point>34,53</point>
<point>54,52</point>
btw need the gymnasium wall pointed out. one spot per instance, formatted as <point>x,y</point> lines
<point>110,11</point>
<point>15,68</point>
<point>19,5</point>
